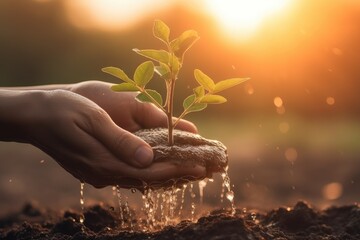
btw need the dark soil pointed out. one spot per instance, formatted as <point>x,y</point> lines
<point>101,222</point>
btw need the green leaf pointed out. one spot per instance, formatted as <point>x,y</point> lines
<point>181,44</point>
<point>190,106</point>
<point>199,91</point>
<point>213,99</point>
<point>155,96</point>
<point>228,83</point>
<point>161,31</point>
<point>175,65</point>
<point>117,72</point>
<point>124,87</point>
<point>144,73</point>
<point>204,80</point>
<point>156,55</point>
<point>163,71</point>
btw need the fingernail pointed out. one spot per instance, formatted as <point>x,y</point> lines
<point>143,156</point>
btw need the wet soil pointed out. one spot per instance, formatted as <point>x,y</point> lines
<point>101,222</point>
<point>188,149</point>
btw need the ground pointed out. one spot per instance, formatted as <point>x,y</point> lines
<point>102,222</point>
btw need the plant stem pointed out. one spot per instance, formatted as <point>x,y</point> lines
<point>170,112</point>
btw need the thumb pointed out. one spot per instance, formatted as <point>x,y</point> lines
<point>123,144</point>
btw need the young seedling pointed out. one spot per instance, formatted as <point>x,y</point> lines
<point>168,65</point>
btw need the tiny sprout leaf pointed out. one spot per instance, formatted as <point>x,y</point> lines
<point>124,87</point>
<point>161,31</point>
<point>156,55</point>
<point>213,99</point>
<point>188,101</point>
<point>190,105</point>
<point>204,80</point>
<point>181,44</point>
<point>144,73</point>
<point>199,91</point>
<point>163,71</point>
<point>228,83</point>
<point>151,96</point>
<point>117,72</point>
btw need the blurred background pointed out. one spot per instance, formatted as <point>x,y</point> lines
<point>292,131</point>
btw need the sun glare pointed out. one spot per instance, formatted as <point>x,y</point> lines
<point>242,17</point>
<point>111,14</point>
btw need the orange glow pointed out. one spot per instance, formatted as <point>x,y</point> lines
<point>278,102</point>
<point>291,154</point>
<point>242,17</point>
<point>111,14</point>
<point>284,127</point>
<point>332,191</point>
<point>330,101</point>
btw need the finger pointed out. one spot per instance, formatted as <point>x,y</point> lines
<point>123,144</point>
<point>149,116</point>
<point>186,125</point>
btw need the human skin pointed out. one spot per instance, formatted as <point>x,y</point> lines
<point>87,128</point>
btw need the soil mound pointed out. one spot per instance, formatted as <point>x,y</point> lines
<point>101,222</point>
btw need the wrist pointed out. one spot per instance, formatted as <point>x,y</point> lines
<point>18,111</point>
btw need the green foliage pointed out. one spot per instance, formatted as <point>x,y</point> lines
<point>169,63</point>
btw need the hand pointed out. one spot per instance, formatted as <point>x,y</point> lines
<point>97,148</point>
<point>124,110</point>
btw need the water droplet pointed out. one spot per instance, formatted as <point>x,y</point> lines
<point>42,161</point>
<point>253,216</point>
<point>202,185</point>
<point>82,202</point>
<point>278,102</point>
<point>133,190</point>
<point>230,196</point>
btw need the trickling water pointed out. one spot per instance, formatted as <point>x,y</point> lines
<point>127,210</point>
<point>82,202</point>
<point>173,201</point>
<point>202,185</point>
<point>121,213</point>
<point>192,195</point>
<point>229,194</point>
<point>222,188</point>
<point>162,207</point>
<point>182,199</point>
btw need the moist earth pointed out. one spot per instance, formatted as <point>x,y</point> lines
<point>188,148</point>
<point>102,222</point>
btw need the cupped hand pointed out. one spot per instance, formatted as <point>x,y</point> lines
<point>90,136</point>
<point>124,110</point>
